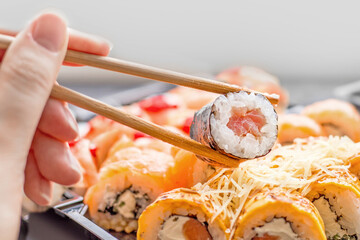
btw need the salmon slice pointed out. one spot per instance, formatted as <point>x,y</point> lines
<point>194,230</point>
<point>243,122</point>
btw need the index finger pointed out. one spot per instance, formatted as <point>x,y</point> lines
<point>78,41</point>
<point>87,43</point>
<point>9,33</point>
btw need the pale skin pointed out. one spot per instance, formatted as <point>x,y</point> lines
<point>34,129</point>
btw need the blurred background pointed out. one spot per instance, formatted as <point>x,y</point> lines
<point>312,46</point>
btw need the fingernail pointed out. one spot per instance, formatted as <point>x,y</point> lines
<point>50,31</point>
<point>71,120</point>
<point>110,44</point>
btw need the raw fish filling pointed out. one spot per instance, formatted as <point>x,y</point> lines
<point>183,227</point>
<point>243,122</point>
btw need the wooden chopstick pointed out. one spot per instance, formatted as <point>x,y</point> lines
<point>154,73</point>
<point>93,105</point>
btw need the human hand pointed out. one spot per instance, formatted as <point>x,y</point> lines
<point>31,121</point>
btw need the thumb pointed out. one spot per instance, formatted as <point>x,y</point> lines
<point>27,74</point>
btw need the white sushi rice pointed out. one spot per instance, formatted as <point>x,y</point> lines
<point>340,213</point>
<point>277,227</point>
<point>249,146</point>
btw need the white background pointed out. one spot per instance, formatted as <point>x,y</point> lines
<point>295,40</point>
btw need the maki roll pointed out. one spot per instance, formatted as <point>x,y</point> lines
<point>181,214</point>
<point>337,197</point>
<point>238,124</point>
<point>126,187</point>
<point>277,214</point>
<point>337,118</point>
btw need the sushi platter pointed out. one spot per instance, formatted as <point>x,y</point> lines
<point>297,171</point>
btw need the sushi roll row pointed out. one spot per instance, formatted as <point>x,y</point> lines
<point>134,175</point>
<point>306,190</point>
<point>324,118</point>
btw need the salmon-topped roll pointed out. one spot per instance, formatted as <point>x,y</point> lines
<point>193,98</point>
<point>159,107</point>
<point>181,214</point>
<point>277,214</point>
<point>126,187</point>
<point>237,124</point>
<point>336,117</point>
<point>337,197</point>
<point>292,126</point>
<point>256,79</point>
<point>188,170</point>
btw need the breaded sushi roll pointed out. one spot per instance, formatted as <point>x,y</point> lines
<point>337,198</point>
<point>272,215</point>
<point>126,187</point>
<point>337,117</point>
<point>237,124</point>
<point>181,214</point>
<point>292,126</point>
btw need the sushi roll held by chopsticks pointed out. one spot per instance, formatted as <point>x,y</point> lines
<point>237,124</point>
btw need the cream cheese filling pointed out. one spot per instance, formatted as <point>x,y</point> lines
<point>278,227</point>
<point>173,228</point>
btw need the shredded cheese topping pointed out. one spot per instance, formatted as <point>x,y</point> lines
<point>290,168</point>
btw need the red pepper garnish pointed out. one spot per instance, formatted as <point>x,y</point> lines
<point>156,104</point>
<point>73,143</point>
<point>187,125</point>
<point>140,135</point>
<point>92,150</point>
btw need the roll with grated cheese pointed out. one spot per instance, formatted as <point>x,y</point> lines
<point>292,126</point>
<point>337,118</point>
<point>181,214</point>
<point>337,198</point>
<point>277,214</point>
